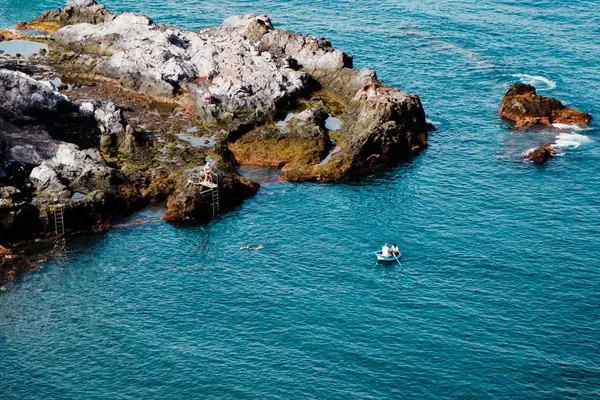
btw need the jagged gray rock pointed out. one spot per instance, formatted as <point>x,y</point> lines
<point>72,170</point>
<point>231,83</point>
<point>111,122</point>
<point>21,95</point>
<point>244,66</point>
<point>244,74</point>
<point>77,11</point>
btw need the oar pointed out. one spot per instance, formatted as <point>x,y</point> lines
<point>397,259</point>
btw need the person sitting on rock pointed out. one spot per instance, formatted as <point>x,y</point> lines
<point>208,97</point>
<point>385,250</point>
<point>207,173</point>
<point>395,250</point>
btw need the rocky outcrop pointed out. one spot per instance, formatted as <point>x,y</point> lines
<point>192,200</point>
<point>541,154</point>
<point>243,75</point>
<point>301,142</point>
<point>76,12</point>
<point>525,108</point>
<point>31,111</point>
<point>104,147</point>
<point>40,168</point>
<point>225,75</point>
<point>48,156</point>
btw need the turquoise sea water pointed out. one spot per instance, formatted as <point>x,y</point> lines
<point>498,294</point>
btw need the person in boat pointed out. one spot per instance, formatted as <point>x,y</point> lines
<point>207,173</point>
<point>385,250</point>
<point>395,250</point>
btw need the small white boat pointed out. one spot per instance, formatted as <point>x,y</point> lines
<point>387,258</point>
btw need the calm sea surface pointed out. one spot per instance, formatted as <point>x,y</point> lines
<point>498,295</point>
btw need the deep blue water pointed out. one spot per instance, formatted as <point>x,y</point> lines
<point>498,294</point>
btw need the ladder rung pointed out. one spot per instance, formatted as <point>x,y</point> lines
<point>59,220</point>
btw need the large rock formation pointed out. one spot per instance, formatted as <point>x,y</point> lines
<point>49,156</point>
<point>243,82</point>
<point>244,75</point>
<point>119,136</point>
<point>78,11</point>
<point>525,108</point>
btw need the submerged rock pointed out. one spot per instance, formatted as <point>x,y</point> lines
<point>525,108</point>
<point>543,153</point>
<point>11,262</point>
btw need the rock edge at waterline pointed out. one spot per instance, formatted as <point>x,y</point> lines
<point>102,144</point>
<point>525,108</point>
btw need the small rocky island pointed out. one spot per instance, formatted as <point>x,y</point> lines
<point>120,112</point>
<point>523,107</point>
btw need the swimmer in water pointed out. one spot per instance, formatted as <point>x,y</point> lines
<point>248,247</point>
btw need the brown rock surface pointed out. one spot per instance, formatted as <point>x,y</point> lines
<point>543,153</point>
<point>525,108</point>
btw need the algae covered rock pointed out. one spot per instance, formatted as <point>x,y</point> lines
<point>301,141</point>
<point>241,76</point>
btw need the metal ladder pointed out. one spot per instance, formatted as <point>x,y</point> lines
<point>213,187</point>
<point>215,201</point>
<point>59,219</point>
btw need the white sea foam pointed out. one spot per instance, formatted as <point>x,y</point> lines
<point>434,123</point>
<point>536,80</point>
<point>567,127</point>
<point>571,140</point>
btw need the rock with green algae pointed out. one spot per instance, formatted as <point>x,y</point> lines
<point>237,79</point>
<point>303,141</point>
<point>242,75</point>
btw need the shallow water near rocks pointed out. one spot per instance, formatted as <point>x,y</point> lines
<point>195,141</point>
<point>498,294</point>
<point>24,47</point>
